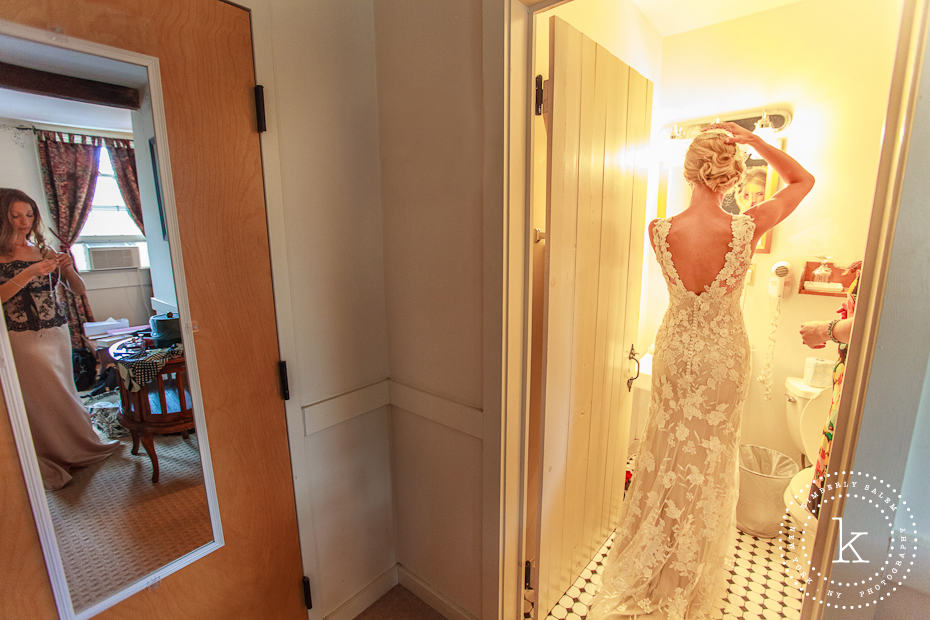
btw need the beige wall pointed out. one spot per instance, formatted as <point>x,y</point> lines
<point>833,67</point>
<point>19,162</point>
<point>430,115</point>
<point>327,113</point>
<point>429,95</point>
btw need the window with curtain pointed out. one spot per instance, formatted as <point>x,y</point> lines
<point>109,223</point>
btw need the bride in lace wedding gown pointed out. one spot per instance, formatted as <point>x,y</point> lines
<point>678,524</point>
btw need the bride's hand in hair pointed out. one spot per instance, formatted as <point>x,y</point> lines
<point>741,135</point>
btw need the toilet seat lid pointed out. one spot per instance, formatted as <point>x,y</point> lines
<point>798,388</point>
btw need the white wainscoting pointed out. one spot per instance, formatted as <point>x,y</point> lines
<point>119,293</point>
<point>451,591</point>
<point>342,408</point>
<point>463,418</point>
<point>321,415</point>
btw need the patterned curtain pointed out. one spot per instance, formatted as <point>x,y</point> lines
<point>123,157</point>
<point>69,171</point>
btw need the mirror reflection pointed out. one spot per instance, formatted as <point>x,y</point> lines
<point>91,310</point>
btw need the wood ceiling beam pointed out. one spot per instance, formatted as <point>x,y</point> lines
<point>67,87</point>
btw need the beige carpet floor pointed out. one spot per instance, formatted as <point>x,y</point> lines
<point>115,526</point>
<point>399,604</point>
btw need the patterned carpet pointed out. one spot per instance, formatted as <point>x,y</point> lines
<point>114,526</point>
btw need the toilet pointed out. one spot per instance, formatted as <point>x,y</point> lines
<point>807,409</point>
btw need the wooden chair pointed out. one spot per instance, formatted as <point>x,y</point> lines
<point>162,406</point>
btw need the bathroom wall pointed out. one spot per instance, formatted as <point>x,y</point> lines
<point>617,25</point>
<point>833,67</point>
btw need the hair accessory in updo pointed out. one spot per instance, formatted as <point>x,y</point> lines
<point>713,161</point>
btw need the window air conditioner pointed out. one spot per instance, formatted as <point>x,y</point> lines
<point>124,257</point>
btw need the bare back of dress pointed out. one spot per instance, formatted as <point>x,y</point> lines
<point>678,523</point>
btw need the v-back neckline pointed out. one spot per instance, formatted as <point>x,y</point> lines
<point>674,269</point>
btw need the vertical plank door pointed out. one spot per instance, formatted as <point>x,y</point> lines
<point>205,53</point>
<point>595,213</point>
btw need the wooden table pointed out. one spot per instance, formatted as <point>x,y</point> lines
<point>160,406</point>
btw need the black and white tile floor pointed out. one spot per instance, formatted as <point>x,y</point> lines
<point>758,586</point>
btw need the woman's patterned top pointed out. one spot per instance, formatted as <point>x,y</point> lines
<point>35,306</point>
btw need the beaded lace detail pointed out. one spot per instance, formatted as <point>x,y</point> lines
<point>677,528</point>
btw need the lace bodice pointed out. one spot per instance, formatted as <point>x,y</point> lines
<point>693,320</point>
<point>35,306</point>
<point>736,262</point>
<point>678,524</point>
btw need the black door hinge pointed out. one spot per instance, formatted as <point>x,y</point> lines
<point>526,576</point>
<point>282,372</point>
<point>260,108</point>
<point>539,95</point>
<point>308,601</point>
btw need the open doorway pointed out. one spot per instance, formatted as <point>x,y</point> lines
<point>690,67</point>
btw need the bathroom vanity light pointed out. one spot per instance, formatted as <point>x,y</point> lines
<point>765,122</point>
<point>765,129</point>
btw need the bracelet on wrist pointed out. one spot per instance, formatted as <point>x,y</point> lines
<point>830,326</point>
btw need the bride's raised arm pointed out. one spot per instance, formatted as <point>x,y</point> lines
<point>798,181</point>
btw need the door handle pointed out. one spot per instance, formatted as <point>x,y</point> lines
<point>629,382</point>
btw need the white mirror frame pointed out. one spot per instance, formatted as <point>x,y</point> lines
<point>8,375</point>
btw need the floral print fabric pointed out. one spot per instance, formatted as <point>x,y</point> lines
<point>826,441</point>
<point>678,523</point>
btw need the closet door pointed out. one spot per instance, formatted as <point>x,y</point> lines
<point>599,125</point>
<point>205,54</point>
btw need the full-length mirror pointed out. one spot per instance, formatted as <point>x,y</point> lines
<point>94,307</point>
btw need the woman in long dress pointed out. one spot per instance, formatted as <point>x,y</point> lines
<point>677,531</point>
<point>37,323</point>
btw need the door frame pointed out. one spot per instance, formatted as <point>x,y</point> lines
<point>12,393</point>
<point>515,77</point>
<point>263,62</point>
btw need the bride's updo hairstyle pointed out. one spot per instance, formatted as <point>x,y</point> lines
<point>714,163</point>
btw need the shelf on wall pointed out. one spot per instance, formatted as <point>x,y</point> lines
<point>840,275</point>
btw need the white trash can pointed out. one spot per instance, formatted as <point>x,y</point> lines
<point>764,475</point>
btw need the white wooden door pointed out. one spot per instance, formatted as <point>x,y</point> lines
<point>596,193</point>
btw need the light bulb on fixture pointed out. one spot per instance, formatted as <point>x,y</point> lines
<point>765,129</point>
